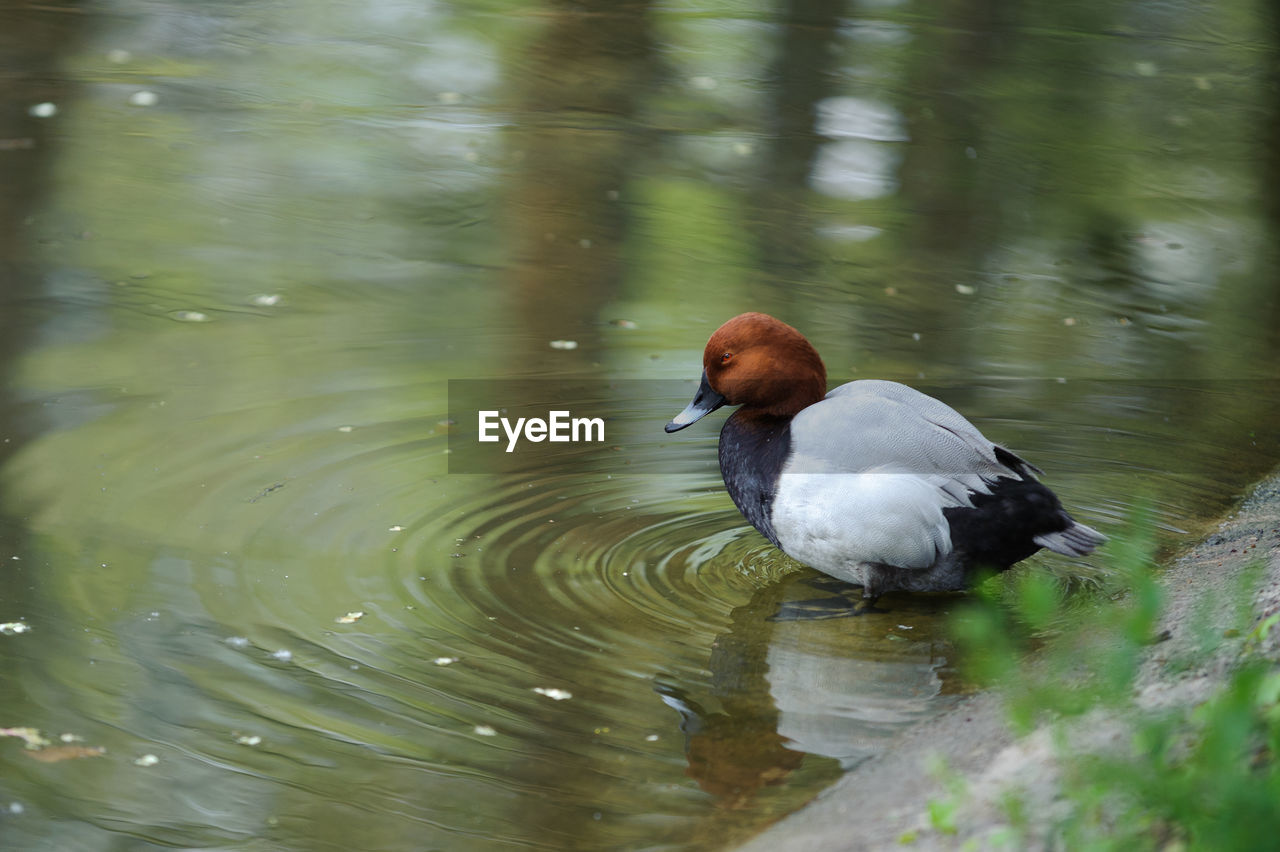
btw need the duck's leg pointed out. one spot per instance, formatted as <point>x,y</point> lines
<point>867,605</point>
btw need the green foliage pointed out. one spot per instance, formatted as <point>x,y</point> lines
<point>1204,777</point>
<point>1095,643</point>
<point>943,811</point>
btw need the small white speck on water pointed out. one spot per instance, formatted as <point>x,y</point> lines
<point>915,335</point>
<point>553,693</point>
<point>485,731</point>
<point>284,655</point>
<point>43,110</point>
<point>189,316</point>
<point>146,760</point>
<point>144,99</point>
<point>966,289</point>
<point>237,641</point>
<point>346,428</point>
<point>395,528</point>
<point>564,344</point>
<point>445,661</point>
<point>119,56</point>
<point>266,300</point>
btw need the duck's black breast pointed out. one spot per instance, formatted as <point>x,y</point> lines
<point>753,451</point>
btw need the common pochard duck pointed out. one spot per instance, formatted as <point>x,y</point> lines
<point>873,483</point>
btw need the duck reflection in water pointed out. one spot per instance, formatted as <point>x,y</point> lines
<point>793,688</point>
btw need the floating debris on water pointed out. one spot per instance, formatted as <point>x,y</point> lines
<point>249,739</point>
<point>445,661</point>
<point>43,110</point>
<point>485,731</point>
<point>31,737</point>
<point>652,738</point>
<point>1068,321</point>
<point>266,300</point>
<point>284,655</point>
<point>395,528</point>
<point>189,316</point>
<point>146,760</point>
<point>625,323</point>
<point>966,289</point>
<point>57,754</point>
<point>349,618</point>
<point>564,344</point>
<point>10,628</point>
<point>553,693</point>
<point>144,99</point>
<point>237,641</point>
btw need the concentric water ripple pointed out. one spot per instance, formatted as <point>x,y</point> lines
<point>577,659</point>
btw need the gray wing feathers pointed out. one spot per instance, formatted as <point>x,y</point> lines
<point>899,430</point>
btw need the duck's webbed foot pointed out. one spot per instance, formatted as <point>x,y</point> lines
<point>849,602</point>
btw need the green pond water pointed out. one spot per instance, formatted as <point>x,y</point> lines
<point>262,262</point>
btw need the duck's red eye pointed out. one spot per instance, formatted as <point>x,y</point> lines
<point>725,357</point>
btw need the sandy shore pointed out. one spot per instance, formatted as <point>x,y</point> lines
<point>886,798</point>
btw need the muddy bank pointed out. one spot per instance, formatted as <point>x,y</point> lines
<point>888,797</point>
